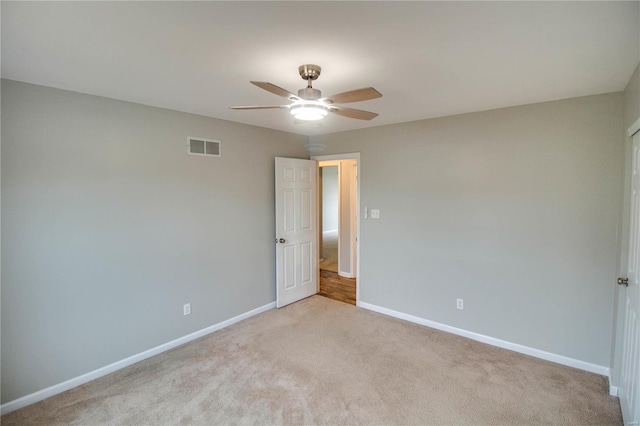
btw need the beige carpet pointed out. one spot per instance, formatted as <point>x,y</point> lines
<point>319,361</point>
<point>329,260</point>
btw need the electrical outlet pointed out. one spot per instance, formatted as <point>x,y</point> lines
<point>186,309</point>
<point>375,214</point>
<point>460,304</point>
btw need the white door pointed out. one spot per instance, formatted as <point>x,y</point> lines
<point>296,233</point>
<point>630,373</point>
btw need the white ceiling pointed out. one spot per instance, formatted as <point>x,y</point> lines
<point>428,59</point>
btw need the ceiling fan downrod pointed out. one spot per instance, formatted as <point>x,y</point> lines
<point>309,72</point>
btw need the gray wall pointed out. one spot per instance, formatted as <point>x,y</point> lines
<point>330,198</point>
<point>514,210</point>
<point>109,227</point>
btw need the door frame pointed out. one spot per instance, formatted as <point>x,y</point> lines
<point>630,351</point>
<point>347,156</point>
<point>622,261</point>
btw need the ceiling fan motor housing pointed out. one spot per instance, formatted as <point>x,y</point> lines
<point>309,94</point>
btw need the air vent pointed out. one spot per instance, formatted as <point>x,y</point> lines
<point>208,147</point>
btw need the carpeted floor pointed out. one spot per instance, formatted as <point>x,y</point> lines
<point>319,361</point>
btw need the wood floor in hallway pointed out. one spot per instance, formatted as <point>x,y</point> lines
<point>337,288</point>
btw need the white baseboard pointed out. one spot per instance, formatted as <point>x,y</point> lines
<point>537,353</point>
<point>92,375</point>
<point>613,390</point>
<point>330,231</point>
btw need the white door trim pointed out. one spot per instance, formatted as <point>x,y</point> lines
<point>350,156</point>
<point>353,172</point>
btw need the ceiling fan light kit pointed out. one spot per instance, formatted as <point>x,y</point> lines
<point>308,112</point>
<point>309,104</point>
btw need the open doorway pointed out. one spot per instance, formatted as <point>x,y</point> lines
<point>338,226</point>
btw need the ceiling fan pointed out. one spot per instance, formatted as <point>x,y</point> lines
<point>308,105</point>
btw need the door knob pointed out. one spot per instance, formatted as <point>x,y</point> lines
<point>623,281</point>
<point>282,240</point>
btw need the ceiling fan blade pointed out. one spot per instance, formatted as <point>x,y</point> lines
<point>353,96</point>
<point>260,107</point>
<point>353,113</point>
<point>276,90</point>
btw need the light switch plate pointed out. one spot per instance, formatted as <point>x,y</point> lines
<point>375,214</point>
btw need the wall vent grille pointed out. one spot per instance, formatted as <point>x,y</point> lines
<point>201,146</point>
